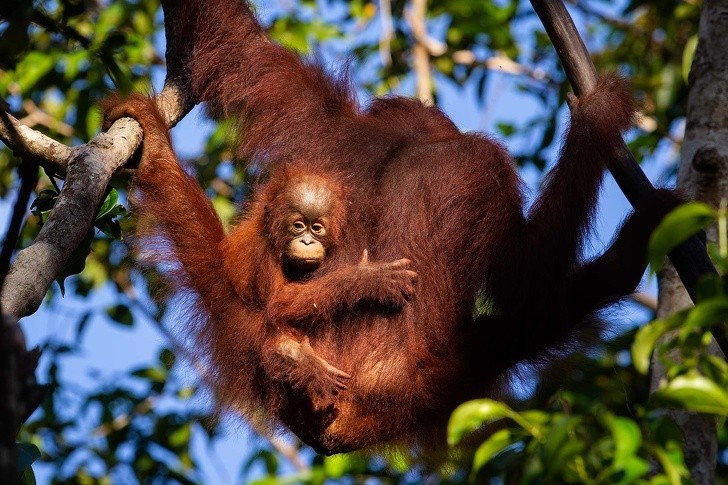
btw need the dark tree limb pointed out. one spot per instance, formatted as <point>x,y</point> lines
<point>28,174</point>
<point>19,391</point>
<point>690,258</point>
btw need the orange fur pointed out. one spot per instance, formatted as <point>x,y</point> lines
<point>408,184</point>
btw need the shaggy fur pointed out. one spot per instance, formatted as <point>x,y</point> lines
<point>408,184</point>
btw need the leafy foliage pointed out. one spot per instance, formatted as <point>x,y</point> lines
<point>603,427</point>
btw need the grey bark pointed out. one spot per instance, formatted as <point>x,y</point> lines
<point>25,142</point>
<point>88,173</point>
<point>701,176</point>
<point>88,170</point>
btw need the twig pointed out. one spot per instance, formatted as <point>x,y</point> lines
<point>421,50</point>
<point>37,116</point>
<point>387,33</point>
<point>285,449</point>
<point>179,348</point>
<point>619,23</point>
<point>44,20</point>
<point>502,63</point>
<point>645,300</point>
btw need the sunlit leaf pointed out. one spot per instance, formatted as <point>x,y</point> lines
<point>706,314</point>
<point>32,68</point>
<point>627,443</point>
<point>677,227</point>
<point>110,202</point>
<point>337,465</point>
<point>472,415</point>
<point>697,393</point>
<point>644,343</point>
<point>181,437</point>
<point>496,443</point>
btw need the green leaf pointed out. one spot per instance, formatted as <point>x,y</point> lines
<point>688,56</point>
<point>110,227</point>
<point>627,437</point>
<point>337,465</point>
<point>506,129</point>
<point>167,359</point>
<point>669,84</point>
<point>105,217</point>
<point>42,205</point>
<point>153,374</point>
<point>565,456</point>
<point>672,465</point>
<point>28,477</point>
<point>76,262</point>
<point>110,202</point>
<point>627,443</point>
<point>696,393</point>
<point>677,227</point>
<point>32,68</point>
<point>705,315</point>
<point>121,314</point>
<point>558,436</point>
<point>644,344</point>
<point>180,438</point>
<point>472,415</point>
<point>27,454</point>
<point>497,442</point>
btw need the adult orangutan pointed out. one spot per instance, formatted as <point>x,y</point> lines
<point>342,303</point>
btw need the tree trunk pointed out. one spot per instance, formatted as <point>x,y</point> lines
<point>701,176</point>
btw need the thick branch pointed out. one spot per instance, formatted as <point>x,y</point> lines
<point>89,168</point>
<point>88,173</point>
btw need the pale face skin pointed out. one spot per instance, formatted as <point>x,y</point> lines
<point>308,225</point>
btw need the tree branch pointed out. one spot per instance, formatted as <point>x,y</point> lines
<point>690,258</point>
<point>88,170</point>
<point>32,145</point>
<point>421,50</point>
<point>88,173</point>
<point>387,33</point>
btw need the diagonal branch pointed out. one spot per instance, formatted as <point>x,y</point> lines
<point>690,258</point>
<point>88,169</point>
<point>88,172</point>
